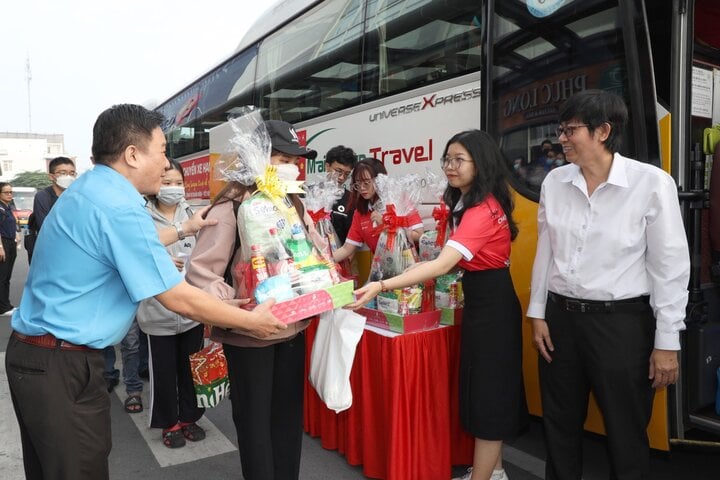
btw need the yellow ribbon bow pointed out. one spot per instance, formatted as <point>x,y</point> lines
<point>270,184</point>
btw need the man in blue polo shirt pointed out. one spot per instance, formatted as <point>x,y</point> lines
<point>98,257</point>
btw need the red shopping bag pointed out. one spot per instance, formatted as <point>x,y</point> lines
<point>210,375</point>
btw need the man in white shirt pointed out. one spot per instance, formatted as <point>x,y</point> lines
<point>609,289</point>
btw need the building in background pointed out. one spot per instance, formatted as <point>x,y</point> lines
<point>28,152</point>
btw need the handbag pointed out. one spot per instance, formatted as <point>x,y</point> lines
<point>210,375</point>
<point>333,352</point>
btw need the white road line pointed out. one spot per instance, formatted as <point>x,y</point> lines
<point>523,460</point>
<point>215,442</point>
<point>11,464</point>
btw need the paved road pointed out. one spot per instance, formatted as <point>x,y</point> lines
<point>139,454</point>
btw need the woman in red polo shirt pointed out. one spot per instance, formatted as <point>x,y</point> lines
<point>367,216</point>
<point>492,396</point>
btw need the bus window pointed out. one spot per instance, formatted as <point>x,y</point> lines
<point>413,42</point>
<point>312,65</point>
<point>207,103</point>
<point>537,64</point>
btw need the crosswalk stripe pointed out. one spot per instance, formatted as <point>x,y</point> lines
<point>11,463</point>
<point>215,442</point>
<point>11,448</point>
<point>523,460</point>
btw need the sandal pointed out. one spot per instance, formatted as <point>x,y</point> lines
<point>173,437</point>
<point>192,431</point>
<point>133,404</point>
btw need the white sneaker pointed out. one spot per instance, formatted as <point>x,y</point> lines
<point>499,475</point>
<point>496,475</point>
<point>9,312</point>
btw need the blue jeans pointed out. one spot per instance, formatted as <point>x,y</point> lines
<point>110,373</point>
<point>131,351</point>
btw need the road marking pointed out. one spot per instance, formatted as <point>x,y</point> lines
<point>215,442</point>
<point>11,463</point>
<point>522,460</point>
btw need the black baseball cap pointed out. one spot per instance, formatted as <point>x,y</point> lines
<point>284,139</point>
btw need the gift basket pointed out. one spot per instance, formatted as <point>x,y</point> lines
<point>277,259</point>
<point>432,241</point>
<point>407,309</point>
<point>320,196</point>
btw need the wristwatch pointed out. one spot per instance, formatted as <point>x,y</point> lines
<point>178,228</point>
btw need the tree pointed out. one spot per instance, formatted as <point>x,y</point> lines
<point>35,179</point>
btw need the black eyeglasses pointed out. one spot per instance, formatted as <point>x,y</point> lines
<point>362,185</point>
<point>340,173</point>
<point>453,162</point>
<point>569,130</point>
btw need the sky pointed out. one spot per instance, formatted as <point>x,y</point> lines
<point>87,55</point>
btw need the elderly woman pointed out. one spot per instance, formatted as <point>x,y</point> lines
<point>609,289</point>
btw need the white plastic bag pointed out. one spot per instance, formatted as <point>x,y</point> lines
<point>332,357</point>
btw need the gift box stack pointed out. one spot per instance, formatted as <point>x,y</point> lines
<point>412,308</point>
<point>278,260</point>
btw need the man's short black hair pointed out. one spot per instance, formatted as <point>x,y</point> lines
<point>595,107</point>
<point>342,155</point>
<point>55,162</point>
<point>120,126</point>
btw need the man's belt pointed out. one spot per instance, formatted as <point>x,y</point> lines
<point>626,305</point>
<point>50,341</point>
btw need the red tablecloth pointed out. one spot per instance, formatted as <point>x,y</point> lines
<point>404,422</point>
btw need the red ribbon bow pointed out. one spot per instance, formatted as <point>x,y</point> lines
<point>441,214</point>
<point>319,215</point>
<point>391,223</point>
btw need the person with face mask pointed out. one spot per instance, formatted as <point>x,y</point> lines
<point>172,337</point>
<point>269,374</point>
<point>62,173</point>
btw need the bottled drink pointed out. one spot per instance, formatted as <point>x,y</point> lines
<point>257,261</point>
<point>281,259</point>
<point>298,244</point>
<point>428,299</point>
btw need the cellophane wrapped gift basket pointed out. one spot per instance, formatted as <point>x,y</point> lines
<point>407,309</point>
<point>277,258</point>
<point>448,287</point>
<point>320,196</point>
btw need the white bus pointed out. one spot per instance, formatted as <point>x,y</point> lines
<point>394,79</point>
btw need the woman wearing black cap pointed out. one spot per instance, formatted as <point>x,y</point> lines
<point>267,376</point>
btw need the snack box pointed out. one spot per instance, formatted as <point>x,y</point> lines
<point>414,322</point>
<point>451,316</point>
<point>313,303</point>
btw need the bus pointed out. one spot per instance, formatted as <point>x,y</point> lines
<point>394,79</point>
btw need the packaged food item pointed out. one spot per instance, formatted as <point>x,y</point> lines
<point>278,287</point>
<point>448,291</point>
<point>388,301</point>
<point>257,261</point>
<point>279,256</point>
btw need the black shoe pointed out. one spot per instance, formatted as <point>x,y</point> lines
<point>144,374</point>
<point>111,383</point>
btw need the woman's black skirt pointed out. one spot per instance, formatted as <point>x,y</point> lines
<point>492,395</point>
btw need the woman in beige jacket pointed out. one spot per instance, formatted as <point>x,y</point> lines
<point>266,376</point>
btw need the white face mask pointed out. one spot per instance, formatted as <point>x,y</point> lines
<point>64,181</point>
<point>287,171</point>
<point>171,195</point>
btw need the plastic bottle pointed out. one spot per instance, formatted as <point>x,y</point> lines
<point>281,259</point>
<point>298,244</point>
<point>257,261</point>
<point>428,298</point>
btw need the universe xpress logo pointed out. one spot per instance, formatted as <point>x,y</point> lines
<point>428,102</point>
